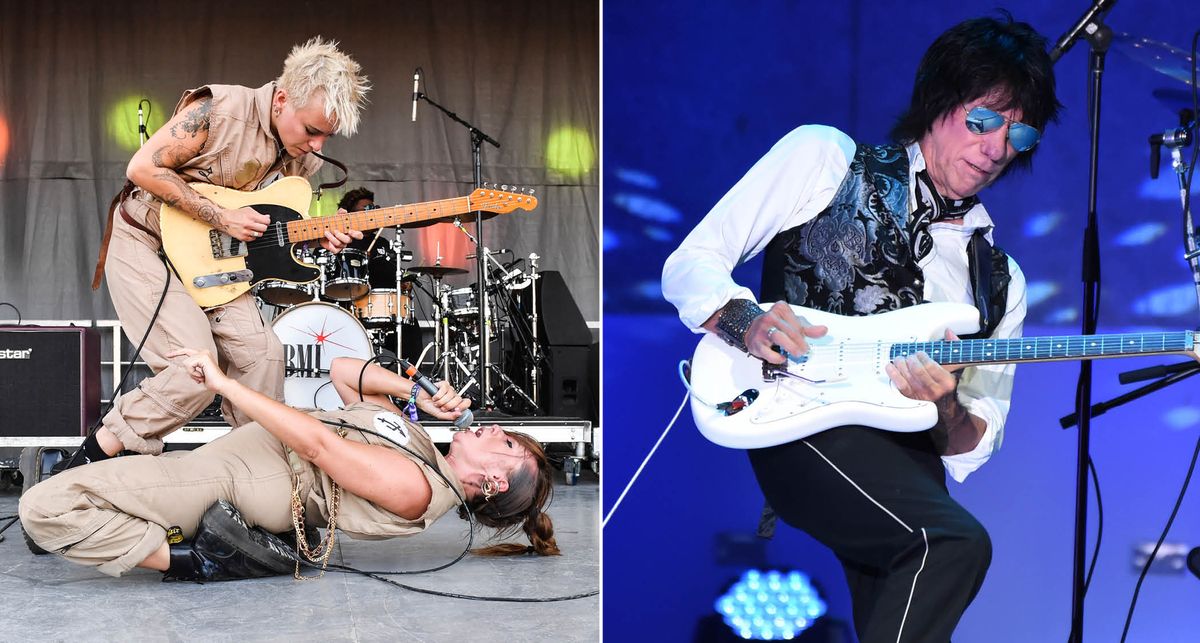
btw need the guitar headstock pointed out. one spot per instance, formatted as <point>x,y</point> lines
<point>503,199</point>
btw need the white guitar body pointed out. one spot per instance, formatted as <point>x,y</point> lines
<point>843,383</point>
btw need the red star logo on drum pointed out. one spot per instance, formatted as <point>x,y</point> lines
<point>323,336</point>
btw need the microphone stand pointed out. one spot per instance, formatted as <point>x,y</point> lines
<point>477,140</point>
<point>1175,140</point>
<point>1099,36</point>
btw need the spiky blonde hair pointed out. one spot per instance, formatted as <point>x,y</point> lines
<point>319,65</point>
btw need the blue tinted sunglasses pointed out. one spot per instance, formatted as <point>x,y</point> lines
<point>981,120</point>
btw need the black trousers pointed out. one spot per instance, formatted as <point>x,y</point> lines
<point>913,557</point>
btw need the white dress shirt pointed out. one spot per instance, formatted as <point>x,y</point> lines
<point>791,185</point>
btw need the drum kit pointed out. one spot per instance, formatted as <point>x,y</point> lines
<point>364,304</point>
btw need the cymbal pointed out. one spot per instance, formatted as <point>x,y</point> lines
<point>1159,56</point>
<point>437,272</point>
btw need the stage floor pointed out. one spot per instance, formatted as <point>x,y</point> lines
<point>47,598</point>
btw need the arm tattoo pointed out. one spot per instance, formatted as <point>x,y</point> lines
<point>172,155</point>
<point>190,201</point>
<point>195,121</point>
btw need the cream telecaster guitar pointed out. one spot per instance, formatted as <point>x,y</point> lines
<point>841,380</point>
<point>216,268</point>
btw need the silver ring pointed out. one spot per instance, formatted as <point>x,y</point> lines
<point>771,331</point>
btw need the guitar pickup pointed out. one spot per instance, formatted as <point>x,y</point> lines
<point>775,372</point>
<point>224,246</point>
<point>223,278</point>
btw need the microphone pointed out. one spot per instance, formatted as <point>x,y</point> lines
<point>463,422</point>
<point>142,122</point>
<point>416,91</point>
<point>1193,561</point>
<point>1089,23</point>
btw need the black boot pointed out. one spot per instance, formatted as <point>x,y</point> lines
<point>225,548</point>
<point>311,535</point>
<point>89,451</point>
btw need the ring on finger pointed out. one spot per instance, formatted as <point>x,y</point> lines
<point>771,331</point>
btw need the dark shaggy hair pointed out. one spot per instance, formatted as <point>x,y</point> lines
<point>971,60</point>
<point>353,196</point>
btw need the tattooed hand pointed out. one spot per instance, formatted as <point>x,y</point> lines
<point>244,224</point>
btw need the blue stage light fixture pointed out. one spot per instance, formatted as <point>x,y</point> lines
<point>770,606</point>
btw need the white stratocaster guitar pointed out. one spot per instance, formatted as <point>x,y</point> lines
<point>215,268</point>
<point>841,380</point>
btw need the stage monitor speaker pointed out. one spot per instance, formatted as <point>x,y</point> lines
<point>559,321</point>
<point>568,383</point>
<point>49,380</point>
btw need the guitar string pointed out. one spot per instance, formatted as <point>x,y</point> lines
<point>416,212</point>
<point>857,353</point>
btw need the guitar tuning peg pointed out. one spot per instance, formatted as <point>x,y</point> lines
<point>504,187</point>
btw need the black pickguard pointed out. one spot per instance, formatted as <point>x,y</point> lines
<point>267,259</point>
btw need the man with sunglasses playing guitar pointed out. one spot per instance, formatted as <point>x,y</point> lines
<point>857,229</point>
<point>234,137</point>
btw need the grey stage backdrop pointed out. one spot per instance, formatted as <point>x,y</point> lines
<point>525,72</point>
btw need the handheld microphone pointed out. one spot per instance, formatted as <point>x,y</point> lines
<point>463,422</point>
<point>416,91</point>
<point>1087,24</point>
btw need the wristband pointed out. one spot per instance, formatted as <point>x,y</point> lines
<point>411,408</point>
<point>734,321</point>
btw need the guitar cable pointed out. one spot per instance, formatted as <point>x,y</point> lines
<point>168,268</point>
<point>682,403</point>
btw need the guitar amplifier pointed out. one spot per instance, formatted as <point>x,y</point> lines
<point>49,380</point>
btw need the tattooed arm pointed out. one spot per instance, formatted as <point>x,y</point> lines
<point>180,140</point>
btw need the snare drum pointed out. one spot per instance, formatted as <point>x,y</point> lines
<point>346,275</point>
<point>312,335</point>
<point>284,293</point>
<point>378,308</point>
<point>462,302</point>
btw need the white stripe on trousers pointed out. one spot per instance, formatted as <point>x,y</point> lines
<point>885,510</point>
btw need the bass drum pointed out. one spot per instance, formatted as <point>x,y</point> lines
<point>312,335</point>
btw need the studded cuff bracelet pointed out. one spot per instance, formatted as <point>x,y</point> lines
<point>735,320</point>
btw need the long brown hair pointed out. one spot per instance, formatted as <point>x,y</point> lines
<point>521,506</point>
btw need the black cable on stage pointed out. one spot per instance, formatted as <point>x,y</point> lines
<point>138,351</point>
<point>19,318</point>
<point>379,575</point>
<point>1150,559</point>
<point>1099,524</point>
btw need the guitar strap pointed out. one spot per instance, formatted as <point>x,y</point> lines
<point>336,163</point>
<point>118,203</point>
<point>988,267</point>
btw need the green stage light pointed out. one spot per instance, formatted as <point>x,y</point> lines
<point>570,152</point>
<point>122,121</point>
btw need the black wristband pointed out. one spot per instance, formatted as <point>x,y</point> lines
<point>735,320</point>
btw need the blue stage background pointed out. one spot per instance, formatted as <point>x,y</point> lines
<point>694,93</point>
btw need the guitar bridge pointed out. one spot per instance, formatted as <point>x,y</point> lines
<point>224,246</point>
<point>222,278</point>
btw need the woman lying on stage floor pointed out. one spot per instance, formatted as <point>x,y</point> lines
<point>223,503</point>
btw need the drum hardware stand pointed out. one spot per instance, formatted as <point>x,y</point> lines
<point>477,140</point>
<point>484,253</point>
<point>535,368</point>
